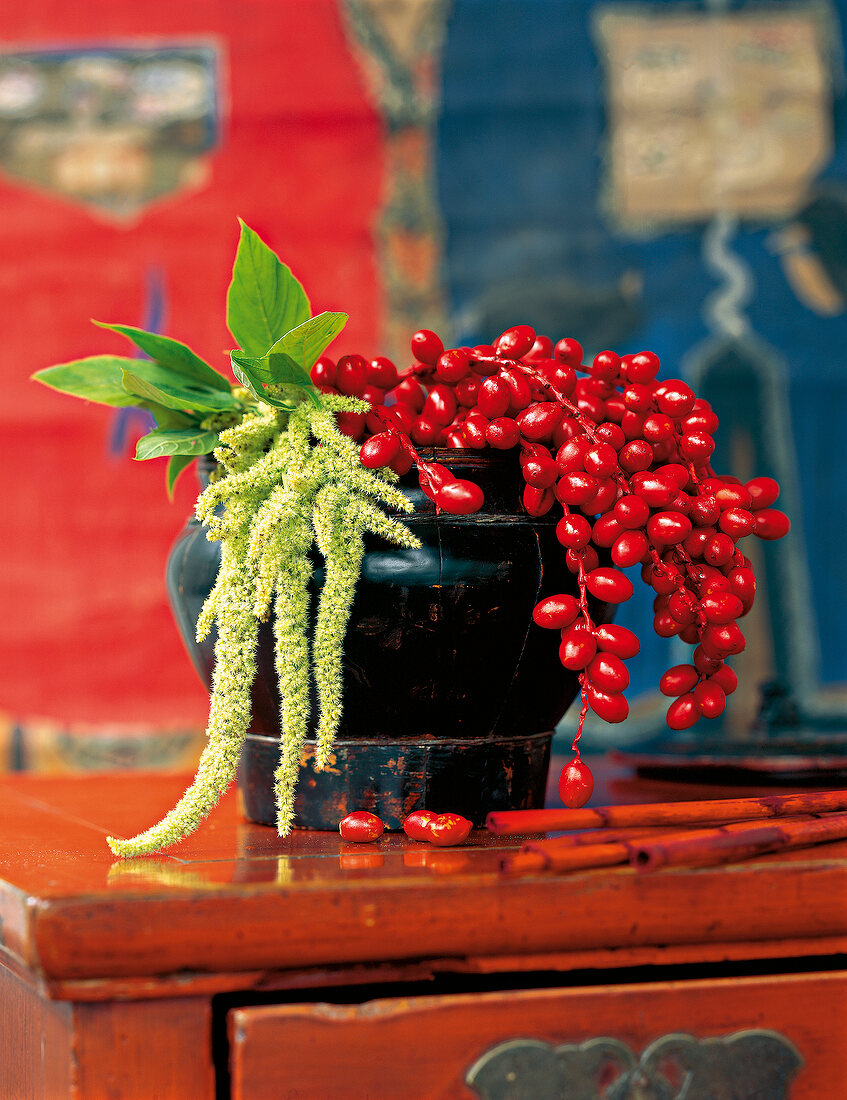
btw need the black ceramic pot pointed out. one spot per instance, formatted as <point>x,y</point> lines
<point>451,692</point>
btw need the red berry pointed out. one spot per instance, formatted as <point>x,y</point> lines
<point>609,585</point>
<point>719,550</point>
<point>539,421</point>
<point>629,548</point>
<point>360,827</point>
<point>632,512</point>
<point>351,375</point>
<point>736,522</point>
<point>658,490</point>
<point>606,366</point>
<point>410,393</point>
<point>610,706</point>
<point>608,672</point>
<point>725,678</point>
<point>601,460</point>
<point>668,528</point>
<point>642,367</point>
<point>675,399</point>
<point>453,366</point>
<point>721,607</point>
<point>679,680</point>
<point>520,393</point>
<point>576,488</point>
<point>710,698</point>
<point>771,523</point>
<point>573,532</point>
<point>446,830</point>
<point>540,470</point>
<point>763,492</point>
<point>379,450</point>
<point>323,372</point>
<point>537,502</point>
<point>425,432</point>
<point>502,433</point>
<point>460,498</point>
<point>556,612</point>
<point>515,342</point>
<point>426,346</point>
<point>576,784</point>
<point>587,558</point>
<point>637,455</point>
<point>494,398</point>
<point>382,373</point>
<point>696,446</point>
<point>416,826</point>
<point>606,530</point>
<point>616,639</point>
<point>683,713</point>
<point>569,351</point>
<point>578,647</point>
<point>657,428</point>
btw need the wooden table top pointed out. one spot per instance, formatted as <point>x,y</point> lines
<point>235,900</point>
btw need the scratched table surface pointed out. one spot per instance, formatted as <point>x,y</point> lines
<point>235,898</point>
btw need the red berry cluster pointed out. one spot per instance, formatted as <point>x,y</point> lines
<point>625,457</point>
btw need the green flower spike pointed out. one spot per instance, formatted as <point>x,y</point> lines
<point>287,480</point>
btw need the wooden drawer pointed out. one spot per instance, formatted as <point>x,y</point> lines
<point>764,1038</point>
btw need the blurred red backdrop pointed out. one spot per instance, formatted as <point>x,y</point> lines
<point>87,636</point>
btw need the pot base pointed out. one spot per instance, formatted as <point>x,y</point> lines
<point>392,778</point>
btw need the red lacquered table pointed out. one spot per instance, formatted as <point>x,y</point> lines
<point>240,964</point>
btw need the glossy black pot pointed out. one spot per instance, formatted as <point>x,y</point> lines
<point>451,693</point>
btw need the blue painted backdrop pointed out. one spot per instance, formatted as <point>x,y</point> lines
<point>519,148</point>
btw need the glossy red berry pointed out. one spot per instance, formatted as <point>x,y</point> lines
<point>426,346</point>
<point>683,712</point>
<point>351,375</point>
<point>642,367</point>
<point>569,351</point>
<point>453,366</point>
<point>763,492</point>
<point>619,640</point>
<point>447,830</point>
<point>608,672</point>
<point>679,680</point>
<point>460,498</point>
<point>578,647</point>
<point>380,450</point>
<point>576,784</point>
<point>710,698</point>
<point>515,342</point>
<point>382,373</point>
<point>556,612</point>
<point>573,532</point>
<point>323,372</point>
<point>609,585</point>
<point>360,827</point>
<point>629,548</point>
<point>417,823</point>
<point>770,523</point>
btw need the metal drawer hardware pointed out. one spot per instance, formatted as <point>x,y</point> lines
<point>748,1065</point>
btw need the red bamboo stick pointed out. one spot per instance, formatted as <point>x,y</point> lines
<point>709,847</point>
<point>690,847</point>
<point>711,811</point>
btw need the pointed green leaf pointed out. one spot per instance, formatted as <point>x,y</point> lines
<point>184,442</point>
<point>249,371</point>
<point>97,378</point>
<point>153,382</point>
<point>264,299</point>
<point>176,464</point>
<point>305,343</point>
<point>167,419</point>
<point>179,358</point>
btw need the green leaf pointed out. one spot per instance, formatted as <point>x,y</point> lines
<point>172,354</point>
<point>264,299</point>
<point>305,343</point>
<point>153,382</point>
<point>172,418</point>
<point>176,464</point>
<point>245,369</point>
<point>97,378</point>
<point>158,444</point>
